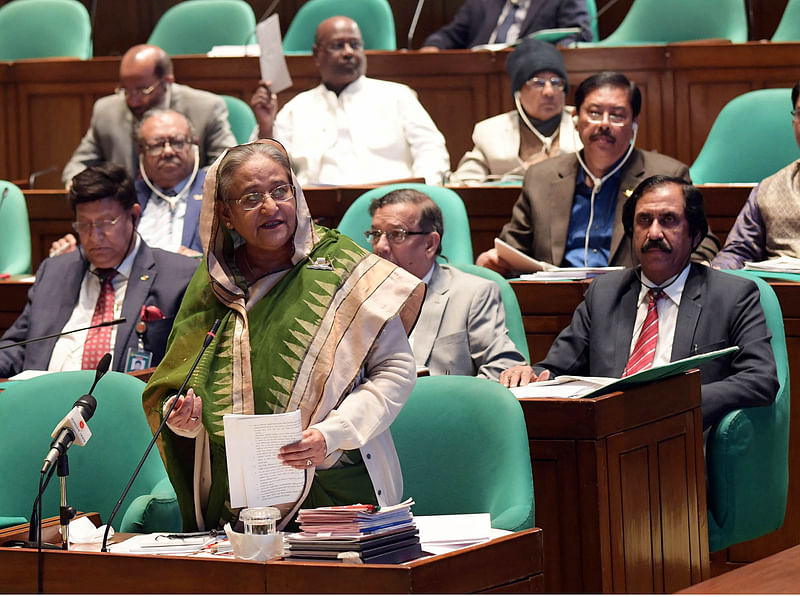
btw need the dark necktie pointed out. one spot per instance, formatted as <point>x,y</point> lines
<point>502,30</point>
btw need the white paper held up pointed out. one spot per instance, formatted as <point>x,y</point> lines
<point>272,60</point>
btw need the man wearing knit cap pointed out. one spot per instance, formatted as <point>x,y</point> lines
<point>538,128</point>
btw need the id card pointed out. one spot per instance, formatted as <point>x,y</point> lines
<point>136,360</point>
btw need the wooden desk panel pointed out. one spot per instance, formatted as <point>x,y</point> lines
<point>620,489</point>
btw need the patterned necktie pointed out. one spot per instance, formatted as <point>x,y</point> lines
<point>645,350</point>
<point>502,30</point>
<point>98,340</point>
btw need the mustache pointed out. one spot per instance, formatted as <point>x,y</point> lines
<point>656,243</point>
<point>603,135</point>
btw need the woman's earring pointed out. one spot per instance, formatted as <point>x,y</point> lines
<point>228,225</point>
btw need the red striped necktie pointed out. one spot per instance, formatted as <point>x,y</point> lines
<point>98,341</point>
<point>645,349</point>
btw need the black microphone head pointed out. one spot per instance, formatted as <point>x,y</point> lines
<point>103,365</point>
<point>87,404</point>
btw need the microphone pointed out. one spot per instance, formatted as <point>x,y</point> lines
<point>414,20</point>
<point>73,428</point>
<point>3,196</point>
<point>210,335</point>
<point>90,327</point>
<point>34,175</point>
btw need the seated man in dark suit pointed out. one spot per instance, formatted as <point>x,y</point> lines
<point>461,328</point>
<point>115,274</point>
<point>666,310</point>
<point>569,212</point>
<point>146,81</point>
<point>504,21</point>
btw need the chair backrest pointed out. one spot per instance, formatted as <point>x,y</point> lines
<point>99,471</point>
<point>240,117</point>
<point>654,21</point>
<point>748,452</point>
<point>374,18</point>
<point>196,26</point>
<point>789,26</point>
<point>758,120</point>
<point>44,29</point>
<point>457,241</point>
<point>516,329</point>
<point>591,8</point>
<point>463,448</point>
<point>15,231</point>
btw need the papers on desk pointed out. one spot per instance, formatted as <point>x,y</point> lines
<point>570,273</point>
<point>256,476</point>
<point>176,544</point>
<point>782,264</point>
<point>520,262</point>
<point>445,533</point>
<point>571,386</point>
<point>28,374</point>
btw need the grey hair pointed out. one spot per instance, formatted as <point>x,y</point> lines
<point>241,154</point>
<point>154,112</point>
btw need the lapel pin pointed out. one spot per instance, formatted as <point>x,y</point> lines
<point>628,192</point>
<point>144,277</point>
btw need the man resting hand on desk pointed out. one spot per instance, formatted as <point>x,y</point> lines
<point>666,310</point>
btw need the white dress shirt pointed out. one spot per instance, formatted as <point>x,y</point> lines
<point>161,224</point>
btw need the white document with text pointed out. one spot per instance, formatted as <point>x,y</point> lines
<point>256,476</point>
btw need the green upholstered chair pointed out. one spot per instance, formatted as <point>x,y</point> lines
<point>789,26</point>
<point>457,242</point>
<point>44,29</point>
<point>196,26</point>
<point>758,120</point>
<point>591,8</point>
<point>240,117</point>
<point>374,18</point>
<point>747,453</point>
<point>15,231</point>
<point>516,330</point>
<point>662,21</point>
<point>99,471</point>
<point>463,448</point>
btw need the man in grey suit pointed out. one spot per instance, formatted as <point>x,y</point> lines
<point>666,310</point>
<point>570,209</point>
<point>147,81</point>
<point>461,328</point>
<point>147,286</point>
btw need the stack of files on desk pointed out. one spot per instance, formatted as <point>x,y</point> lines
<point>358,533</point>
<point>570,273</point>
<point>781,264</point>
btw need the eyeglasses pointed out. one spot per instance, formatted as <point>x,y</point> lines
<point>279,194</point>
<point>139,91</point>
<point>102,226</point>
<point>596,117</point>
<point>539,83</point>
<point>794,114</point>
<point>394,236</point>
<point>338,46</point>
<point>157,147</point>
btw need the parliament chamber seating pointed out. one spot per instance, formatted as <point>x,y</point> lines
<point>15,232</point>
<point>752,138</point>
<point>463,448</point>
<point>374,18</point>
<point>747,454</point>
<point>456,241</point>
<point>196,26</point>
<point>44,29</point>
<point>240,117</point>
<point>99,471</point>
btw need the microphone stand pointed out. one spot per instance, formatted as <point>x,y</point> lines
<point>65,512</point>
<point>210,335</point>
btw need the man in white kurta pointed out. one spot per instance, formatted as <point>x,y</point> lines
<point>351,129</point>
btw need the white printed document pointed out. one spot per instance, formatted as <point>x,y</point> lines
<point>256,475</point>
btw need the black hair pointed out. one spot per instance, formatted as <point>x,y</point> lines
<point>795,94</point>
<point>608,78</point>
<point>102,181</point>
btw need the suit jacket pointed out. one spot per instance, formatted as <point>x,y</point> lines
<point>461,328</point>
<point>540,218</point>
<point>496,148</point>
<point>157,278</point>
<point>476,19</point>
<point>191,219</point>
<point>109,138</point>
<point>717,310</point>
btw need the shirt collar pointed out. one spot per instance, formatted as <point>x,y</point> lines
<point>427,277</point>
<point>124,268</point>
<point>674,291</point>
<point>581,179</point>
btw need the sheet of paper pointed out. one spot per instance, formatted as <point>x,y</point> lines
<point>454,528</point>
<point>272,61</point>
<point>518,260</point>
<point>562,387</point>
<point>782,264</point>
<point>256,476</point>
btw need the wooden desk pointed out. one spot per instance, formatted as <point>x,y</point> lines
<point>509,564</point>
<point>620,489</point>
<point>547,308</point>
<point>778,573</point>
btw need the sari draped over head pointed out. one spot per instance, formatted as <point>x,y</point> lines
<point>295,339</point>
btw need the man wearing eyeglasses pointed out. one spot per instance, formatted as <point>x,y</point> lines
<point>461,329</point>
<point>147,81</point>
<point>170,187</point>
<point>540,126</point>
<point>569,213</point>
<point>351,129</point>
<point>768,226</point>
<point>114,274</point>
